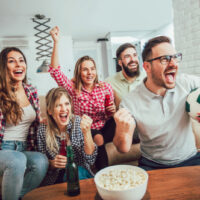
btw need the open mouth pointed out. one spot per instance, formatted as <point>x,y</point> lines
<point>63,117</point>
<point>18,72</point>
<point>170,76</point>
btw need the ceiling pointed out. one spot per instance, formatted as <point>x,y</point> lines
<point>84,19</point>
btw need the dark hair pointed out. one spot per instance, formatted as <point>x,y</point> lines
<point>123,47</point>
<point>8,104</point>
<point>147,50</point>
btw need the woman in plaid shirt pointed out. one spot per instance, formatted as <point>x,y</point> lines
<point>89,96</point>
<point>22,168</point>
<point>62,127</point>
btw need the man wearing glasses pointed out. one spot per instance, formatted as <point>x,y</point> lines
<point>156,108</point>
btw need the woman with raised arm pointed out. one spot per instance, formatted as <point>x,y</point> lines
<point>21,167</point>
<point>89,96</point>
<point>64,128</point>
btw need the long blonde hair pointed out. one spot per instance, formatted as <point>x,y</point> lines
<point>52,129</point>
<point>9,106</point>
<point>77,73</point>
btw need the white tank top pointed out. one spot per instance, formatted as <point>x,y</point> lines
<point>20,131</point>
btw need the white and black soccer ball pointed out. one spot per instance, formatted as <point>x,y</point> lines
<point>192,105</point>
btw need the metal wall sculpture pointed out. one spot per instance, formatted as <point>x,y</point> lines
<point>43,42</point>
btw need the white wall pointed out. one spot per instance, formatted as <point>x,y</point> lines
<point>187,34</point>
<point>43,81</point>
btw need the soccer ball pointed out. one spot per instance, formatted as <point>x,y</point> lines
<point>192,105</point>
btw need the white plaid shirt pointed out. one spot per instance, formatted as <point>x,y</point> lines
<point>77,142</point>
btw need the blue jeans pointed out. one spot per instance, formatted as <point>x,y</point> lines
<point>147,164</point>
<point>22,170</point>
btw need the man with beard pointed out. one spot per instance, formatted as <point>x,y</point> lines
<point>156,108</point>
<point>130,76</point>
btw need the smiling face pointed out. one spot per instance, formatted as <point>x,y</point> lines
<point>61,112</point>
<point>88,73</point>
<point>16,66</point>
<point>164,75</point>
<point>129,62</point>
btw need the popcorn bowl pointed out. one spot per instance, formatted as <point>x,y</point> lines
<point>121,182</point>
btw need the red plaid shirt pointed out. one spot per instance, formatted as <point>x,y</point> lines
<point>33,98</point>
<point>89,103</point>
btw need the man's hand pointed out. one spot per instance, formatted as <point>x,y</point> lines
<point>55,34</point>
<point>59,162</point>
<point>125,126</point>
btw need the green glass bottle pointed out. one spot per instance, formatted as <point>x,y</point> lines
<point>73,187</point>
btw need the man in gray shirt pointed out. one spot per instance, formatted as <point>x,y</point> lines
<point>157,109</point>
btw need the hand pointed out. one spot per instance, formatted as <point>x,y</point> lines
<point>86,123</point>
<point>55,34</point>
<point>124,121</point>
<point>125,126</point>
<point>111,109</point>
<point>59,162</point>
<point>198,117</point>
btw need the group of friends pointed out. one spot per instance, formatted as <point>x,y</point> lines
<point>128,108</point>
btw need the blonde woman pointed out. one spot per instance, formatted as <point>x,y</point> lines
<point>22,169</point>
<point>90,97</point>
<point>62,124</point>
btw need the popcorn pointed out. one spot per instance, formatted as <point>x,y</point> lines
<point>121,179</point>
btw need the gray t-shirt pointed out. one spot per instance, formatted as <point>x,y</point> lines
<point>164,126</point>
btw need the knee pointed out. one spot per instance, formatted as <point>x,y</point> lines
<point>37,161</point>
<point>17,162</point>
<point>98,139</point>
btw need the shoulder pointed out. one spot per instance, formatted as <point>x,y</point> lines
<point>113,78</point>
<point>42,128</point>
<point>29,88</point>
<point>105,85</point>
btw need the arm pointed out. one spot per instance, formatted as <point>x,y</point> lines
<point>55,34</point>
<point>125,126</point>
<point>85,125</point>
<point>54,69</point>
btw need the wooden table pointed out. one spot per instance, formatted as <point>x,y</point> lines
<point>165,184</point>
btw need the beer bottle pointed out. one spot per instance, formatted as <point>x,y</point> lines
<point>73,187</point>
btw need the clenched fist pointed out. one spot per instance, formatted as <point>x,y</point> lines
<point>55,34</point>
<point>86,123</point>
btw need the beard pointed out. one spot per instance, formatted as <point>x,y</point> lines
<point>130,72</point>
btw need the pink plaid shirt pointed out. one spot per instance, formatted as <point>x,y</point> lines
<point>89,103</point>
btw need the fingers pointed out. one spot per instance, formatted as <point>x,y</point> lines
<point>111,108</point>
<point>124,119</point>
<point>86,123</point>
<point>55,33</point>
<point>60,161</point>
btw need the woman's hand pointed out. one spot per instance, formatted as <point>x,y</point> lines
<point>55,34</point>
<point>111,109</point>
<point>85,125</point>
<point>59,162</point>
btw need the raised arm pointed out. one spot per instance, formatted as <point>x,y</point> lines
<point>125,126</point>
<point>55,34</point>
<point>89,145</point>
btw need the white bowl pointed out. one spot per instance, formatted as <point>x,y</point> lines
<point>135,192</point>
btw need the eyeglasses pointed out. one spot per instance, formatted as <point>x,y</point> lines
<point>164,60</point>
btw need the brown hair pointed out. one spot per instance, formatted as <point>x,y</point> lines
<point>147,50</point>
<point>8,104</point>
<point>77,73</point>
<point>52,128</point>
<point>122,48</point>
